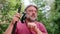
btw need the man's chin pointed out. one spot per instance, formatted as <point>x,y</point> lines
<point>32,19</point>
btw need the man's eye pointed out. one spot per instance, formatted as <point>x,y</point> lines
<point>30,10</point>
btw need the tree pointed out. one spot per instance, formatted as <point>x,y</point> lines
<point>7,11</point>
<point>52,22</point>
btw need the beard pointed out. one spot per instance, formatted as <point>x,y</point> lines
<point>31,19</point>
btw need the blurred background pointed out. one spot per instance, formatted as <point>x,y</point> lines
<point>48,13</point>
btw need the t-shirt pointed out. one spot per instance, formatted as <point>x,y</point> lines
<point>22,28</point>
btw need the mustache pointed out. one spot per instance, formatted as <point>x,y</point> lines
<point>33,15</point>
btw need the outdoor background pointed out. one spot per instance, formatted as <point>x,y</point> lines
<point>48,13</point>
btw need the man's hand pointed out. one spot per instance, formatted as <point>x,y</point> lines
<point>9,29</point>
<point>33,27</point>
<point>15,18</point>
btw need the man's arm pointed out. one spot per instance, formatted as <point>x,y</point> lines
<point>10,27</point>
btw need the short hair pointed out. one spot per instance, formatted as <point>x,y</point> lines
<point>30,6</point>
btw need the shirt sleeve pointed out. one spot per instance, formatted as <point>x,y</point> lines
<point>42,28</point>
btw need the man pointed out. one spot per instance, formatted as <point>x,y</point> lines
<point>30,25</point>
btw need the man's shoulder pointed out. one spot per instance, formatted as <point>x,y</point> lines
<point>20,25</point>
<point>41,26</point>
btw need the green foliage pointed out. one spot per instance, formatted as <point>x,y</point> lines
<point>52,23</point>
<point>3,27</point>
<point>9,8</point>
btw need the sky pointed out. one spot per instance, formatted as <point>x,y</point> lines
<point>26,2</point>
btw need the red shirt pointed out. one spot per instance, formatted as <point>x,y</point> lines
<point>23,29</point>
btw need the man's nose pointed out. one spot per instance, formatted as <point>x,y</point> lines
<point>33,12</point>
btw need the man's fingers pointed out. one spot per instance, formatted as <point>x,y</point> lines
<point>17,15</point>
<point>16,18</point>
<point>32,25</point>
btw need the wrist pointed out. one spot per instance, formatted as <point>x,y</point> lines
<point>38,31</point>
<point>12,23</point>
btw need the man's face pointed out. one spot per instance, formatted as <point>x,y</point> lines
<point>31,13</point>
